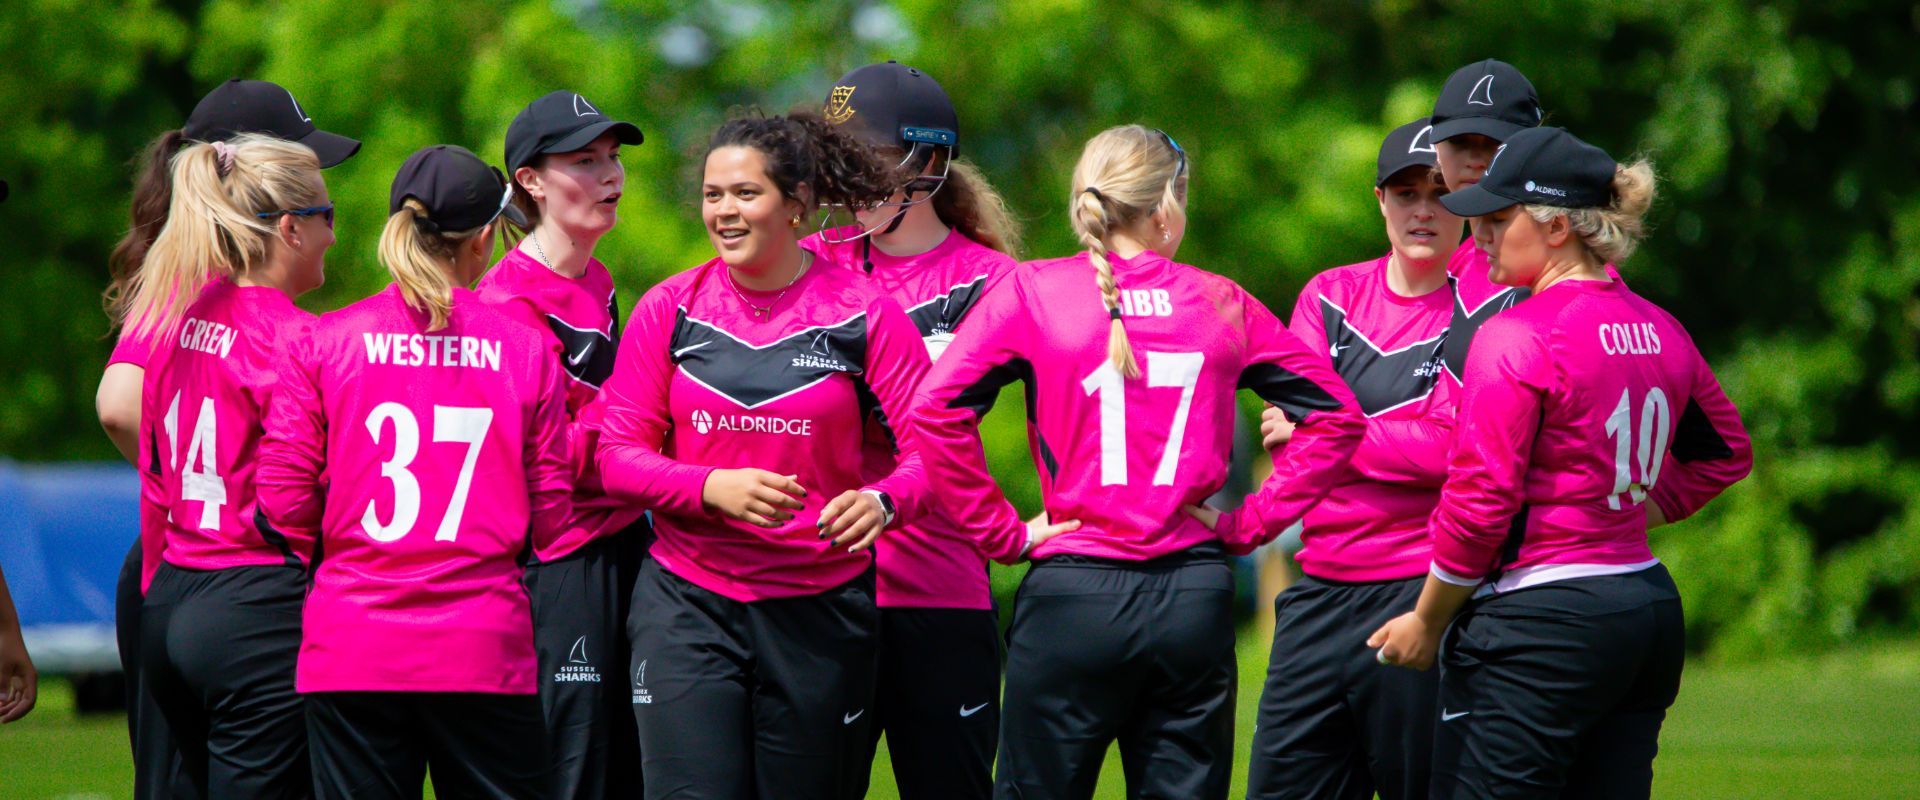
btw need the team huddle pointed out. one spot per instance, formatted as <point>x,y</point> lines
<point>478,524</point>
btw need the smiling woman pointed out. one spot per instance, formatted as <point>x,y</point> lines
<point>763,360</point>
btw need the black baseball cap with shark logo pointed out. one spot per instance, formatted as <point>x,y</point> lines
<point>1490,98</point>
<point>561,122</point>
<point>1539,166</point>
<point>238,106</point>
<point>894,105</point>
<point>1410,145</point>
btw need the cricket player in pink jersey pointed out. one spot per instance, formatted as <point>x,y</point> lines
<point>1332,724</point>
<point>564,159</point>
<point>737,413</point>
<point>934,246</point>
<point>1123,629</point>
<point>232,108</point>
<point>249,228</point>
<point>1587,416</point>
<point>420,435</point>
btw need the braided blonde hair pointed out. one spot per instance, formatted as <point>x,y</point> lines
<point>1125,174</point>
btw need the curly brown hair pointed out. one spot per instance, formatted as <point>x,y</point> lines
<point>801,149</point>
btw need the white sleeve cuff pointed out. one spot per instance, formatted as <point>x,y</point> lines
<point>1452,578</point>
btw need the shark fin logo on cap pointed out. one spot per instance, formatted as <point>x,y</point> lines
<point>1482,93</point>
<point>838,109</point>
<point>1424,137</point>
<point>296,107</point>
<point>1495,160</point>
<point>582,108</point>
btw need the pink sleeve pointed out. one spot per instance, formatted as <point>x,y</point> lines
<point>293,450</point>
<point>131,350</point>
<point>1298,379</point>
<point>1508,375</point>
<point>956,393</point>
<point>1410,451</point>
<point>896,361</point>
<point>549,458</point>
<point>632,466</point>
<point>1710,450</point>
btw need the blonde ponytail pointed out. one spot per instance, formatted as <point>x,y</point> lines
<point>1125,174</point>
<point>211,229</point>
<point>422,262</point>
<point>1611,233</point>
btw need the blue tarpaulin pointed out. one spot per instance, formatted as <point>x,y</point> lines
<point>64,531</point>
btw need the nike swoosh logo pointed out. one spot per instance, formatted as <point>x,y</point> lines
<point>582,356</point>
<point>848,719</point>
<point>1446,717</point>
<point>968,712</point>
<point>690,348</point>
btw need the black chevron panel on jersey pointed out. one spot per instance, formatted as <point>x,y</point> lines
<point>755,375</point>
<point>589,356</point>
<point>943,313</point>
<point>1380,380</point>
<point>1467,322</point>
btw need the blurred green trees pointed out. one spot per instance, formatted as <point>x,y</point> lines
<point>1787,237</point>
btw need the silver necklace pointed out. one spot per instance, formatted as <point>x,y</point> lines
<point>540,253</point>
<point>763,311</point>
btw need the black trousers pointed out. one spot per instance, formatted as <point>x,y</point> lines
<point>579,606</point>
<point>1559,691</point>
<point>380,745</point>
<point>1137,652</point>
<point>752,700</point>
<point>218,650</point>
<point>1334,723</point>
<point>938,700</point>
<point>156,762</point>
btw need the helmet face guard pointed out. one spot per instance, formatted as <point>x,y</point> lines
<point>924,144</point>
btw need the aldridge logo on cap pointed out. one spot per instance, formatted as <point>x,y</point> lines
<point>838,110</point>
<point>1482,93</point>
<point>582,108</point>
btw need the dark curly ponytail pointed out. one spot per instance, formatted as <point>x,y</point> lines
<point>802,149</point>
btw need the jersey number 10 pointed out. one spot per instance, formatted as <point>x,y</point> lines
<point>1654,418</point>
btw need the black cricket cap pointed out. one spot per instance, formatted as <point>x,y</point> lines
<point>1544,166</point>
<point>238,107</point>
<point>894,105</point>
<point>561,122</point>
<point>1410,145</point>
<point>1488,97</point>
<point>460,191</point>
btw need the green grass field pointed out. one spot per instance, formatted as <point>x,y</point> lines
<point>1839,726</point>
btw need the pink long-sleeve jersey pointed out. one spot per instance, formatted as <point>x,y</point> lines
<point>1122,456</point>
<point>427,462</point>
<point>703,382</point>
<point>209,382</point>
<point>1373,525</point>
<point>1572,403</point>
<point>581,318</point>
<point>138,351</point>
<point>934,562</point>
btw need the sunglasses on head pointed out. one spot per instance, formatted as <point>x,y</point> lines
<point>324,212</point>
<point>1175,147</point>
